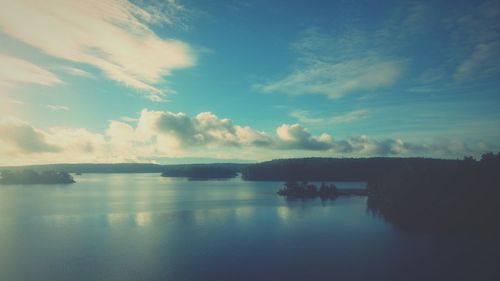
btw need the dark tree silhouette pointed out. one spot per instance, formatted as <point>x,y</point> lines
<point>332,169</point>
<point>459,197</point>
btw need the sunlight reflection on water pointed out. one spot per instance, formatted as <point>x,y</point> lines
<point>145,227</point>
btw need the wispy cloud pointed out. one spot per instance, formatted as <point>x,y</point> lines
<point>112,35</point>
<point>53,107</point>
<point>13,101</point>
<point>15,71</point>
<point>480,60</point>
<point>77,72</point>
<point>353,58</point>
<point>351,116</point>
<point>305,117</point>
<point>335,66</point>
<point>335,80</point>
<point>475,41</point>
<point>128,119</point>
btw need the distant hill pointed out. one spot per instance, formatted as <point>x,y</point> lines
<point>311,169</point>
<point>333,169</point>
<point>93,168</point>
<point>120,167</point>
<point>203,171</point>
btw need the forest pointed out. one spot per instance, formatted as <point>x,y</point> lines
<point>27,176</point>
<point>119,168</point>
<point>459,197</point>
<point>455,196</point>
<point>334,169</point>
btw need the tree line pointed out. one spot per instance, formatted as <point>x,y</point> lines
<point>333,169</point>
<point>202,171</point>
<point>28,176</point>
<point>412,193</point>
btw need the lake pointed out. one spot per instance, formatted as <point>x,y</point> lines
<point>145,227</point>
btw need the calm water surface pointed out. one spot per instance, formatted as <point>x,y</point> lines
<point>145,227</point>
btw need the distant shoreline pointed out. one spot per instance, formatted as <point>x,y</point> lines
<point>30,177</point>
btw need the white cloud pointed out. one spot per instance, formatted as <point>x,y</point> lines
<point>111,35</point>
<point>14,71</point>
<point>168,134</point>
<point>203,129</point>
<point>18,137</point>
<point>297,137</point>
<point>78,142</point>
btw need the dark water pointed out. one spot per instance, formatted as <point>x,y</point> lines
<point>144,227</point>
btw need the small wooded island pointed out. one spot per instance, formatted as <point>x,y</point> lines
<point>426,194</point>
<point>449,196</point>
<point>308,190</point>
<point>32,177</point>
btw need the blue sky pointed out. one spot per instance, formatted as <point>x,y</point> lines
<point>115,81</point>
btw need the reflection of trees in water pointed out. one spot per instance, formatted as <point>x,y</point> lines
<point>293,189</point>
<point>460,197</point>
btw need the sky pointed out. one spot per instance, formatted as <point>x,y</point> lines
<point>231,80</point>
